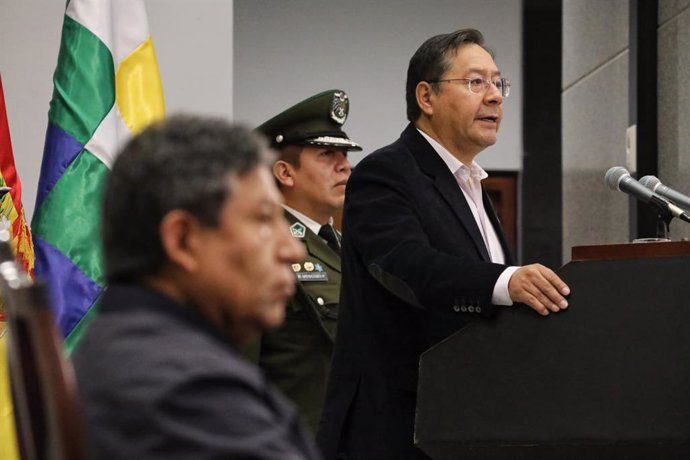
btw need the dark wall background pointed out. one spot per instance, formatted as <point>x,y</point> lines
<point>541,184</point>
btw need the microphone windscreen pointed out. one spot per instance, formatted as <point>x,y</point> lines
<point>651,182</point>
<point>614,175</point>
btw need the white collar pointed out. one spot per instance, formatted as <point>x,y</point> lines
<point>313,225</point>
<point>455,166</point>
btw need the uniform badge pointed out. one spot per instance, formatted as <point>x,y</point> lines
<point>309,274</point>
<point>296,267</point>
<point>298,230</point>
<point>339,107</point>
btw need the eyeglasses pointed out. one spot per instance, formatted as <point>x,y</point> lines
<point>479,85</point>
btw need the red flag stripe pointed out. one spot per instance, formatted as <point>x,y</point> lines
<point>7,168</point>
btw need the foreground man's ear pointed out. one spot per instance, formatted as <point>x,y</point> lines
<point>179,234</point>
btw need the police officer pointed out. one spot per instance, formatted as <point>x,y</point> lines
<point>311,171</point>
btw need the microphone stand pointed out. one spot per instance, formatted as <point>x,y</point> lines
<point>663,223</point>
<point>662,228</point>
<point>665,217</point>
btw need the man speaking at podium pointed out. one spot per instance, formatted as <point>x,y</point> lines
<point>423,252</point>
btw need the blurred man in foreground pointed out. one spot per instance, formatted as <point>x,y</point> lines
<point>198,254</point>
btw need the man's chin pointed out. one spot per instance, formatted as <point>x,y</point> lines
<point>489,140</point>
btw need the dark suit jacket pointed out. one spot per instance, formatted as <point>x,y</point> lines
<point>158,381</point>
<point>297,356</point>
<point>414,267</point>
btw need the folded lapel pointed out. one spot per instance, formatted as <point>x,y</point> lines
<point>315,245</point>
<point>493,217</point>
<point>451,192</point>
<point>431,164</point>
<point>317,248</point>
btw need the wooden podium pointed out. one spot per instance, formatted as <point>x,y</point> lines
<point>607,379</point>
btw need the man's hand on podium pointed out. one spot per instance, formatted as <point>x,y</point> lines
<point>539,288</point>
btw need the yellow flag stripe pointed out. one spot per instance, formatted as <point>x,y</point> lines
<point>8,440</point>
<point>138,89</point>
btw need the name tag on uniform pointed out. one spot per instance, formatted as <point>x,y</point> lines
<point>313,271</point>
<point>312,276</point>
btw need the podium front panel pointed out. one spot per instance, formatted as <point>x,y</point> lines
<point>607,378</point>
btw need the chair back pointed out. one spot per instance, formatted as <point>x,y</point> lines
<point>41,375</point>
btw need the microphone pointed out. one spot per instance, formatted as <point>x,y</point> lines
<point>618,178</point>
<point>655,185</point>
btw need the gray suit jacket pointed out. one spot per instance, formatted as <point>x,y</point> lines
<point>158,381</point>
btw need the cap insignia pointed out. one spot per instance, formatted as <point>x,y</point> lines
<point>339,107</point>
<point>331,140</point>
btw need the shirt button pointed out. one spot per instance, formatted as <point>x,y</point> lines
<point>320,300</point>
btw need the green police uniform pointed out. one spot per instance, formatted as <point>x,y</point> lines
<point>297,356</point>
